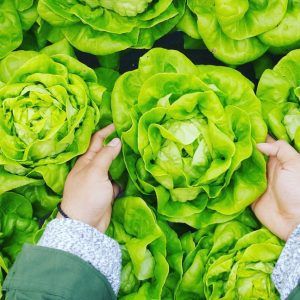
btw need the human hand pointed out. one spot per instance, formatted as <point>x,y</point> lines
<point>89,193</point>
<point>279,208</point>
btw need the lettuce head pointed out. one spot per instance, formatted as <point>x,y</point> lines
<point>103,27</point>
<point>189,135</point>
<point>279,91</point>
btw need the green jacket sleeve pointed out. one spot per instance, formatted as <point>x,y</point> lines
<point>295,294</point>
<point>44,273</point>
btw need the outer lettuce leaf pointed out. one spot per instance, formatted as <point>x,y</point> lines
<point>287,33</point>
<point>261,64</point>
<point>105,27</point>
<point>237,33</point>
<point>39,233</point>
<point>229,261</point>
<point>16,17</point>
<point>279,91</point>
<point>49,108</point>
<point>243,272</point>
<point>189,136</point>
<point>3,271</point>
<point>152,255</point>
<point>17,225</point>
<point>42,199</point>
<point>107,78</point>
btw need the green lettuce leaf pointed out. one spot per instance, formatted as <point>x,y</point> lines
<point>3,271</point>
<point>105,27</point>
<point>237,33</point>
<point>151,250</point>
<point>189,135</point>
<point>49,108</point>
<point>16,17</point>
<point>229,261</point>
<point>17,224</point>
<point>279,91</point>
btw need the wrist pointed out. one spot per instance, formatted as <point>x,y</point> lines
<point>290,223</point>
<point>100,224</point>
<point>290,230</point>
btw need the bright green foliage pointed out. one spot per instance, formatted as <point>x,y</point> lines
<point>107,78</point>
<point>17,225</point>
<point>237,32</point>
<point>229,261</point>
<point>279,91</point>
<point>151,250</point>
<point>3,271</point>
<point>15,17</point>
<point>189,136</point>
<point>106,26</point>
<point>49,108</point>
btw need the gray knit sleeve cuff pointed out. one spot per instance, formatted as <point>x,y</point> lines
<point>286,273</point>
<point>84,241</point>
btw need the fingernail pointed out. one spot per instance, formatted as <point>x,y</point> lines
<point>115,142</point>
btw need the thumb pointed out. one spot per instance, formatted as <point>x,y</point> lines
<point>280,149</point>
<point>104,158</point>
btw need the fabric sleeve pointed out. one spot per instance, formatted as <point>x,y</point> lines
<point>45,273</point>
<point>84,241</point>
<point>286,273</point>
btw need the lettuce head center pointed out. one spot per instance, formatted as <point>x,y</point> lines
<point>32,117</point>
<point>184,149</point>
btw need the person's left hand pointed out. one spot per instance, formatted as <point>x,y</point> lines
<point>279,207</point>
<point>89,193</point>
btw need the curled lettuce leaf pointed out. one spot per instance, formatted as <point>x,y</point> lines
<point>287,33</point>
<point>16,17</point>
<point>49,108</point>
<point>243,272</point>
<point>229,261</point>
<point>151,250</point>
<point>104,27</point>
<point>279,91</point>
<point>17,224</point>
<point>189,137</point>
<point>240,32</point>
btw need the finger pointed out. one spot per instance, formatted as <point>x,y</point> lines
<point>116,190</point>
<point>104,158</point>
<point>279,149</point>
<point>96,145</point>
<point>271,168</point>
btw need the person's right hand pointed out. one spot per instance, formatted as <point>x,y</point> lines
<point>279,208</point>
<point>89,192</point>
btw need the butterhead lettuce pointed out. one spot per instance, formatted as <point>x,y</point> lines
<point>189,137</point>
<point>17,224</point>
<point>229,261</point>
<point>279,91</point>
<point>103,27</point>
<point>151,251</point>
<point>49,108</point>
<point>240,32</point>
<point>15,17</point>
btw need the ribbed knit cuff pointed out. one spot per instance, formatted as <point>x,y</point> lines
<point>84,241</point>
